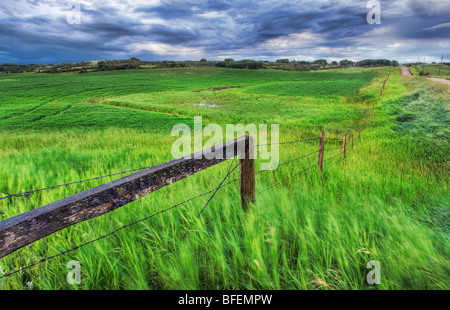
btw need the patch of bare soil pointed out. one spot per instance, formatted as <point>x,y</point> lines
<point>442,81</point>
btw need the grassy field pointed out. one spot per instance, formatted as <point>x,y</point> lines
<point>387,202</point>
<point>434,70</point>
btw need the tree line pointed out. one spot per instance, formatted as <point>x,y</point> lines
<point>135,63</point>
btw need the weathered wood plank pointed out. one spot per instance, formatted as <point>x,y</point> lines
<point>23,229</point>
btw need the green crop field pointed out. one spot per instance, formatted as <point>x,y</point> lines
<point>388,201</point>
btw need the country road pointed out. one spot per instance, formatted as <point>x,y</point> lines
<point>442,81</point>
<point>405,71</point>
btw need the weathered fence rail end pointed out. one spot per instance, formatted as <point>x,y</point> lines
<point>23,229</point>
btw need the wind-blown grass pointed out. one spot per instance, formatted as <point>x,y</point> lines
<point>388,201</point>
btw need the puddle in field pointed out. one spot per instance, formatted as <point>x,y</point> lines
<point>202,103</point>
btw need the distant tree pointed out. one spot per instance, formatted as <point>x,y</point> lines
<point>345,62</point>
<point>321,62</point>
<point>334,63</point>
<point>229,60</point>
<point>102,64</point>
<point>376,62</point>
<point>242,64</point>
<point>283,60</point>
<point>203,60</point>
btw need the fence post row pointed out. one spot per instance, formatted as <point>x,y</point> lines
<point>23,229</point>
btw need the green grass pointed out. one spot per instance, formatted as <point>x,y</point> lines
<point>415,70</point>
<point>434,70</point>
<point>325,85</point>
<point>387,202</point>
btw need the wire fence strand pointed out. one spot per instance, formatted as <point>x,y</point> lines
<point>28,193</point>
<point>298,173</point>
<point>123,227</point>
<point>290,142</point>
<point>230,171</point>
<point>213,191</point>
<point>287,179</point>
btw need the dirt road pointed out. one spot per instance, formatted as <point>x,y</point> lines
<point>405,71</point>
<point>442,81</point>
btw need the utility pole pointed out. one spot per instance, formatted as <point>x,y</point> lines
<point>442,58</point>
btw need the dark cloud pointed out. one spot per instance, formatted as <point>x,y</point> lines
<point>168,10</point>
<point>37,31</point>
<point>161,33</point>
<point>108,31</point>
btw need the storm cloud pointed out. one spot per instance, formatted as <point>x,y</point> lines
<point>38,31</point>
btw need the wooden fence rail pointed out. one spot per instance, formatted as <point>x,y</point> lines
<point>26,228</point>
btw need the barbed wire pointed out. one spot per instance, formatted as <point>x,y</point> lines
<point>335,141</point>
<point>221,185</point>
<point>287,179</point>
<point>28,193</point>
<point>292,160</point>
<point>335,148</point>
<point>214,191</point>
<point>290,142</point>
<point>230,171</point>
<point>337,155</point>
<point>298,173</point>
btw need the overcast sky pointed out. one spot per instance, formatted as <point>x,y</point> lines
<point>43,31</point>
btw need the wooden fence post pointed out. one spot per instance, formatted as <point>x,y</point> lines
<point>321,150</point>
<point>352,141</point>
<point>247,176</point>
<point>359,134</point>
<point>344,147</point>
